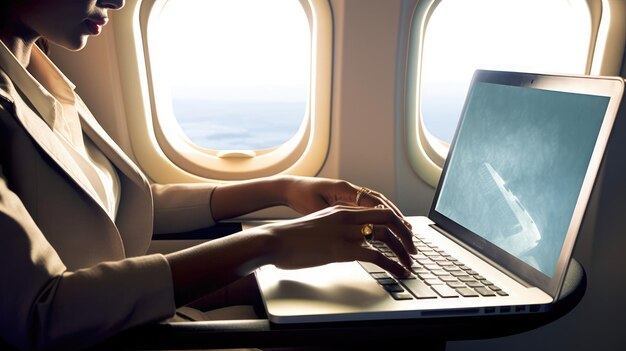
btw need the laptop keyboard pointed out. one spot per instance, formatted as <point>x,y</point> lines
<point>436,274</point>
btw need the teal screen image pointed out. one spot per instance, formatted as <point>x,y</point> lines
<point>517,167</point>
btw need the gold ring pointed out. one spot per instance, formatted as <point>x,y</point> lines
<point>368,231</point>
<point>359,194</point>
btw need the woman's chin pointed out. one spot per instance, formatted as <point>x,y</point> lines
<point>73,45</point>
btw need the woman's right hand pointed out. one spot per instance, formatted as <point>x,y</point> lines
<point>329,235</point>
<point>334,235</point>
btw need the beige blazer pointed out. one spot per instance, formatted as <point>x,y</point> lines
<point>69,275</point>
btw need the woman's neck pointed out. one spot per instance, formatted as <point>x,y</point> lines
<point>19,39</point>
<point>19,48</point>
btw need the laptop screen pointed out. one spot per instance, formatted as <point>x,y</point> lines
<point>514,175</point>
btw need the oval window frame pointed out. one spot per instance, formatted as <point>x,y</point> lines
<point>171,157</point>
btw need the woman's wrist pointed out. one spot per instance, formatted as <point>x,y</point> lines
<point>204,268</point>
<point>236,199</point>
<point>283,187</point>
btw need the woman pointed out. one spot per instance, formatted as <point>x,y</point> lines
<point>76,215</point>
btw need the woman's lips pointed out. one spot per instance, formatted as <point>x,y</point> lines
<point>95,25</point>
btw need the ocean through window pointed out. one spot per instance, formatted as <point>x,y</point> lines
<point>238,70</point>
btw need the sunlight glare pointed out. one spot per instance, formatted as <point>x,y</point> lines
<point>546,36</point>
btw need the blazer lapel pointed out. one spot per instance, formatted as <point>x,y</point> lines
<point>44,137</point>
<point>135,215</point>
<point>101,138</point>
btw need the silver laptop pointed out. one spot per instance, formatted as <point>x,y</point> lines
<point>504,219</point>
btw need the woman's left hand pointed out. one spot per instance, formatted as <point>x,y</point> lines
<point>304,195</point>
<point>308,194</point>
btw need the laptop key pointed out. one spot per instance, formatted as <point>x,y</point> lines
<point>445,291</point>
<point>466,278</point>
<point>448,279</point>
<point>418,269</point>
<point>393,288</point>
<point>433,281</point>
<point>467,292</point>
<point>386,281</point>
<point>493,287</point>
<point>459,273</point>
<point>485,292</point>
<point>440,260</point>
<point>423,260</point>
<point>401,295</point>
<point>424,276</point>
<point>456,285</point>
<point>475,284</point>
<point>371,268</point>
<point>439,272</point>
<point>418,288</point>
<point>380,275</point>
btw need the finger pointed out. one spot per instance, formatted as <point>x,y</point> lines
<point>385,202</point>
<point>385,236</point>
<point>374,198</point>
<point>406,223</point>
<point>386,218</point>
<point>366,254</point>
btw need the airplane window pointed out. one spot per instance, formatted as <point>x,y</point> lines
<point>519,35</point>
<point>236,89</point>
<point>238,71</point>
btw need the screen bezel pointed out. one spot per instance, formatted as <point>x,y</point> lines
<point>611,87</point>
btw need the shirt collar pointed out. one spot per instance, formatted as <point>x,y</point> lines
<point>43,100</point>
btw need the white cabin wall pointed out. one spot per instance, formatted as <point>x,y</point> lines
<point>368,115</point>
<point>363,93</point>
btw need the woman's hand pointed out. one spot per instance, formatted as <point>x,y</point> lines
<point>335,234</point>
<point>307,195</point>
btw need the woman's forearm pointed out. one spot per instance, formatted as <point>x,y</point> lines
<point>204,268</point>
<point>236,199</point>
<point>330,235</point>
